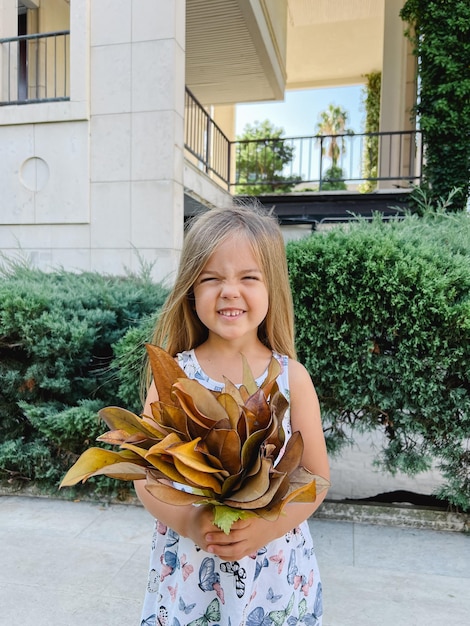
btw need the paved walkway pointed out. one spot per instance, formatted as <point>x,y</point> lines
<point>84,564</point>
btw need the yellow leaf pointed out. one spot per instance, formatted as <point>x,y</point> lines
<point>187,454</point>
<point>166,468</point>
<point>234,391</point>
<point>197,478</point>
<point>136,449</point>
<point>114,437</point>
<point>231,408</point>
<point>90,462</point>
<point>161,446</point>
<point>249,381</point>
<point>122,471</point>
<point>122,419</point>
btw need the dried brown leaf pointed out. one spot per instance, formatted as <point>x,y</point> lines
<point>167,493</point>
<point>198,402</point>
<point>254,486</point>
<point>165,371</point>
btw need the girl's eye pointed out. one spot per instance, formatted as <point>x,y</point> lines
<point>206,279</point>
<point>250,278</point>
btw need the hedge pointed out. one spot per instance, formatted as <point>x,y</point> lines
<point>63,356</point>
<point>383,326</point>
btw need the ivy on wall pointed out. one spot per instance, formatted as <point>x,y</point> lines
<point>440,33</point>
<point>371,101</point>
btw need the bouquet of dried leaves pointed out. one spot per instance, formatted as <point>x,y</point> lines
<point>205,447</point>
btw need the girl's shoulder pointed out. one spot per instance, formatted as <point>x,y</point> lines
<point>300,380</point>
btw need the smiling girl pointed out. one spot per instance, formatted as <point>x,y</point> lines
<point>232,297</point>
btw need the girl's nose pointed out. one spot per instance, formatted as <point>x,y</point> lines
<point>229,289</point>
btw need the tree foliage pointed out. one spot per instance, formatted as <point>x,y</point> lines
<point>262,157</point>
<point>440,32</point>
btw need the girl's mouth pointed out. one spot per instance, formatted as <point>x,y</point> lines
<point>231,312</point>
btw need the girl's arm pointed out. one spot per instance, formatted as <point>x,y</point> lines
<point>305,417</point>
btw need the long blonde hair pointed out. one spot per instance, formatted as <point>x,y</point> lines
<point>179,328</point>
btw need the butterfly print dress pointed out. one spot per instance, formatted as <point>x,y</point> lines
<point>279,585</point>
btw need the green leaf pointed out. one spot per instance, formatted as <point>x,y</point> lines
<point>225,516</point>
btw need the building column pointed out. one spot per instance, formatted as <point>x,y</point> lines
<point>398,96</point>
<point>137,140</point>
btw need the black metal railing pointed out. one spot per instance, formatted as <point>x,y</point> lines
<point>35,68</point>
<point>360,160</point>
<point>311,162</point>
<point>205,141</point>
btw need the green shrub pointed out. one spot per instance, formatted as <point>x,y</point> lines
<point>129,362</point>
<point>383,325</point>
<point>333,179</point>
<point>58,332</point>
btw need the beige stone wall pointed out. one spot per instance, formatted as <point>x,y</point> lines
<point>96,183</point>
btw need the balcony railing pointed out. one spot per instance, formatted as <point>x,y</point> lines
<point>391,159</point>
<point>362,161</point>
<point>204,140</point>
<point>35,68</point>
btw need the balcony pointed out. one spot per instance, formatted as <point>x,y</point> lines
<point>305,187</point>
<point>35,68</point>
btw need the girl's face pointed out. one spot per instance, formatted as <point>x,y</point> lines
<point>231,295</point>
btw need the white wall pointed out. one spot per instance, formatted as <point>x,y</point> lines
<point>97,182</point>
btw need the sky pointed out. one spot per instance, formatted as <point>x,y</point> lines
<point>299,113</point>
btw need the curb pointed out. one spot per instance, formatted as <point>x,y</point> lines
<point>393,515</point>
<point>378,514</point>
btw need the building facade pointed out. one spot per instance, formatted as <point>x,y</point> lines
<point>95,174</point>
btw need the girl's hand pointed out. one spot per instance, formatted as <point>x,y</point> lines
<point>199,524</point>
<point>246,537</point>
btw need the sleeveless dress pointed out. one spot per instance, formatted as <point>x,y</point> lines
<point>279,585</point>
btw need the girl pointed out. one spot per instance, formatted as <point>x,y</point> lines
<point>232,297</point>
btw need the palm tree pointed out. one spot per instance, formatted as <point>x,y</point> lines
<point>333,122</point>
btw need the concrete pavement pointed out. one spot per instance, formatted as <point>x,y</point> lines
<point>85,564</point>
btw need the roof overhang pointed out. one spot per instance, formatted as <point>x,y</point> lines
<point>252,50</point>
<point>236,50</point>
